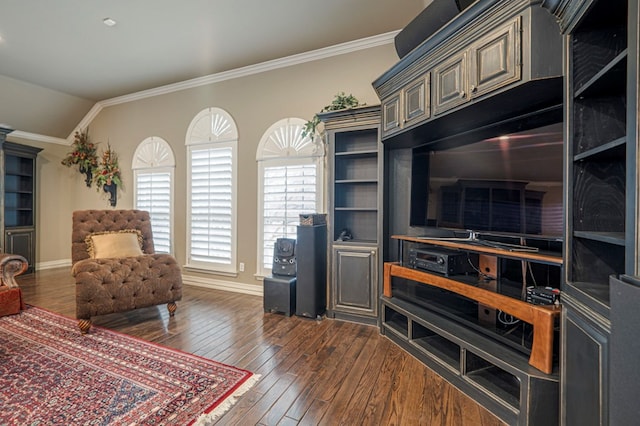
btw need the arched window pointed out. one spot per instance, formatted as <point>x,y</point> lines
<point>212,140</point>
<point>290,177</point>
<point>153,170</point>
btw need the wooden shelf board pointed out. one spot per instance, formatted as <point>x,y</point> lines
<point>542,317</point>
<point>541,257</point>
<point>616,238</point>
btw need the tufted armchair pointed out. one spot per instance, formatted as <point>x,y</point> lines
<point>106,285</point>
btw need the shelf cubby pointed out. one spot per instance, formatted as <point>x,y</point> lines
<point>494,379</point>
<point>440,347</point>
<point>496,376</point>
<point>356,142</point>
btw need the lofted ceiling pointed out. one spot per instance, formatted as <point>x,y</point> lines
<point>60,55</point>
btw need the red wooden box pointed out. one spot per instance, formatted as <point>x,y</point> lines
<point>10,301</point>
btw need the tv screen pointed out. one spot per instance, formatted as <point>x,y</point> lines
<point>506,184</point>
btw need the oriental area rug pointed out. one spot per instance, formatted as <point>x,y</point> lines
<point>52,374</point>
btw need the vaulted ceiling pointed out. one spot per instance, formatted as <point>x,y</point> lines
<point>57,59</point>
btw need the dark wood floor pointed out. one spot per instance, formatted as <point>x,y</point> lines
<point>313,372</point>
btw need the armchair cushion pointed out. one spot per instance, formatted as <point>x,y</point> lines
<point>118,285</point>
<point>125,243</point>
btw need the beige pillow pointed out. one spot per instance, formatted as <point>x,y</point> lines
<point>104,245</point>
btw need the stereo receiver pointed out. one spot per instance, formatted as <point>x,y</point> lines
<point>442,261</point>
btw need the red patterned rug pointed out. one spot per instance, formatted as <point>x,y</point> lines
<point>51,374</point>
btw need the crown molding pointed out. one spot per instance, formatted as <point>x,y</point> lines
<point>314,55</point>
<point>18,134</point>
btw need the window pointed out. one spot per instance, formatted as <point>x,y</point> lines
<point>211,142</point>
<point>290,183</point>
<point>153,168</point>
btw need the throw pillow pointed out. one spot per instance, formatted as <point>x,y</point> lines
<point>125,243</point>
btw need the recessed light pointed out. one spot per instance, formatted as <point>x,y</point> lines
<point>109,22</point>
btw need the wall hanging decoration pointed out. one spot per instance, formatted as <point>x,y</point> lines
<point>84,155</point>
<point>107,175</point>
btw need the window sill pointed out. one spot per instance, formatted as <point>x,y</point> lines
<point>202,269</point>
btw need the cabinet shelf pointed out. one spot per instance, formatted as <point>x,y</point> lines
<point>19,174</point>
<point>616,238</point>
<point>356,209</point>
<point>499,382</point>
<point>611,150</point>
<point>441,348</point>
<point>610,79</point>
<point>355,181</point>
<point>362,153</point>
<point>595,48</point>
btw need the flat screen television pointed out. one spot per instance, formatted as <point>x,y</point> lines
<point>509,184</point>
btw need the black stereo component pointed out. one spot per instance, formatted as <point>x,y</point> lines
<point>284,257</point>
<point>442,261</point>
<point>543,295</point>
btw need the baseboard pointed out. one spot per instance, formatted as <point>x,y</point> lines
<point>53,264</point>
<point>252,289</point>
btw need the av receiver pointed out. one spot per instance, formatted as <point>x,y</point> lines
<point>442,261</point>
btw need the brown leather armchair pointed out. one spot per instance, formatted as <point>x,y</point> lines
<point>120,284</point>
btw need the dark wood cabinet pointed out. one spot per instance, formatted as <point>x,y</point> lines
<point>489,63</point>
<point>495,59</point>
<point>354,288</point>
<point>354,213</point>
<point>601,241</point>
<point>450,79</point>
<point>445,321</point>
<point>466,68</point>
<point>585,366</point>
<point>408,107</point>
<point>18,189</point>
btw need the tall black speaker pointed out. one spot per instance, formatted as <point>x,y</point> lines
<point>311,287</point>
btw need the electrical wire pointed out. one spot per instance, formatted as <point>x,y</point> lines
<point>482,274</point>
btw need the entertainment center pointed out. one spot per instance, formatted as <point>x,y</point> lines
<point>510,140</point>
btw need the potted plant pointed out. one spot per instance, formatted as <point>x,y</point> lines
<point>340,101</point>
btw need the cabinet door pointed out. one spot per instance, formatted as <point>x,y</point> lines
<point>450,80</point>
<point>355,280</point>
<point>21,242</point>
<point>391,115</point>
<point>416,101</point>
<point>585,369</point>
<point>495,59</point>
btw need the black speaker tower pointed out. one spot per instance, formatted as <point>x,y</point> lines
<point>311,287</point>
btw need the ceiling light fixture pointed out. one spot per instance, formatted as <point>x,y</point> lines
<point>109,22</point>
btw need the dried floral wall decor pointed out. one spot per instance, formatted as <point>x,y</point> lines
<point>83,154</point>
<point>107,176</point>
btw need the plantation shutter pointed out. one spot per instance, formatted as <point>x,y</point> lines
<point>211,204</point>
<point>288,192</point>
<point>212,140</point>
<point>153,194</point>
<point>290,177</point>
<point>153,165</point>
